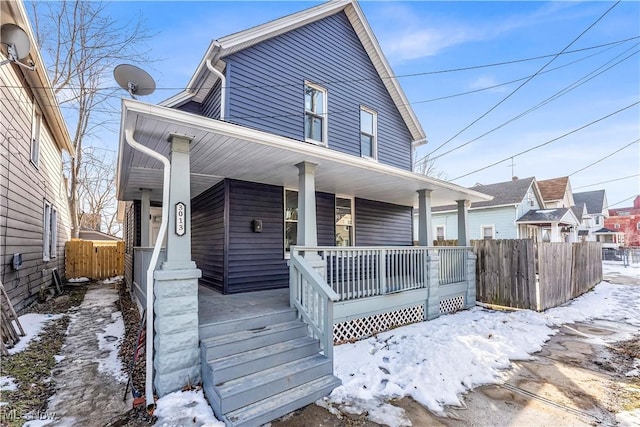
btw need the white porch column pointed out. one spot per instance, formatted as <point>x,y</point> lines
<point>145,203</point>
<point>307,228</point>
<point>555,232</point>
<point>179,245</point>
<point>176,360</point>
<point>463,223</point>
<point>425,227</point>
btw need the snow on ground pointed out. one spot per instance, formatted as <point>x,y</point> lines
<point>112,280</point>
<point>7,384</point>
<point>79,280</point>
<point>628,418</point>
<point>461,351</point>
<point>110,340</point>
<point>185,408</point>
<point>32,324</point>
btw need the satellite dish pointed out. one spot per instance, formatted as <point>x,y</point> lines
<point>18,44</point>
<point>134,80</point>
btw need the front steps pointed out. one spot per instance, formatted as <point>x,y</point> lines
<point>260,368</point>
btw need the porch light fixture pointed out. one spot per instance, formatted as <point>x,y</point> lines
<point>18,45</point>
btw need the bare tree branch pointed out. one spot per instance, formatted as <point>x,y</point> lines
<point>83,44</point>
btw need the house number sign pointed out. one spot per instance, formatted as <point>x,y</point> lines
<point>181,219</point>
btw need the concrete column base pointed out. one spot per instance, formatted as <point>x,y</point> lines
<point>433,276</point>
<point>176,358</point>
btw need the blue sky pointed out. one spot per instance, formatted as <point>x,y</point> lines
<point>421,37</point>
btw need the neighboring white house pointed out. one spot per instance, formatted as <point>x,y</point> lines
<point>518,210</point>
<point>595,211</point>
<point>34,213</point>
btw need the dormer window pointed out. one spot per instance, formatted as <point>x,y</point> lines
<point>315,114</point>
<point>368,131</point>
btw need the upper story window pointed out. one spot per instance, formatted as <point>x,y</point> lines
<point>368,133</point>
<point>36,124</point>
<point>315,114</point>
<point>597,219</point>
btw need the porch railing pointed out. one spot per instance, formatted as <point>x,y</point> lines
<point>453,264</point>
<point>141,261</point>
<point>313,299</point>
<point>360,272</point>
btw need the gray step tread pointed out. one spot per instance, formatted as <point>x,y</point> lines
<point>257,379</point>
<point>260,353</point>
<point>281,404</point>
<point>245,335</point>
<point>211,329</point>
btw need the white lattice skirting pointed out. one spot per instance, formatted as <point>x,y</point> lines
<point>452,304</point>
<point>356,329</point>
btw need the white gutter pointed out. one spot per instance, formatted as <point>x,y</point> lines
<point>154,257</point>
<point>223,88</point>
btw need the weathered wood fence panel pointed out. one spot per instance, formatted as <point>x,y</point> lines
<point>94,259</point>
<point>555,262</point>
<point>504,271</point>
<point>521,274</point>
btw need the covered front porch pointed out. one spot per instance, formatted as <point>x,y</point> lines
<point>171,158</point>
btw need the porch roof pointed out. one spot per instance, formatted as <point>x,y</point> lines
<point>224,150</point>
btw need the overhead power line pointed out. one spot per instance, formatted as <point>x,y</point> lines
<point>548,142</point>
<point>622,201</point>
<point>397,76</point>
<point>526,81</point>
<point>606,182</point>
<point>584,79</point>
<point>604,158</point>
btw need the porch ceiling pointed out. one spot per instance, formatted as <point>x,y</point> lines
<point>220,149</point>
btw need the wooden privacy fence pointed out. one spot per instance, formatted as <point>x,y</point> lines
<point>94,259</point>
<point>521,274</point>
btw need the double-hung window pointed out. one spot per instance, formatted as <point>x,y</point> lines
<point>344,221</point>
<point>368,133</point>
<point>290,220</point>
<point>49,232</point>
<point>440,232</point>
<point>488,232</point>
<point>36,124</point>
<point>315,114</point>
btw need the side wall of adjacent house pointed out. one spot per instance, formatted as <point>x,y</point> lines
<point>266,89</point>
<point>25,189</point>
<point>501,218</point>
<point>131,233</point>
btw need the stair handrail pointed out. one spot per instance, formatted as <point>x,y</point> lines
<point>320,320</point>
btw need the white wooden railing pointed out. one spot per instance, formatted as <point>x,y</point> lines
<point>310,295</point>
<point>453,263</point>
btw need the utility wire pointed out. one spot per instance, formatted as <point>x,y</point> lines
<point>584,79</point>
<point>549,142</point>
<point>422,73</point>
<point>526,81</point>
<point>604,158</point>
<point>622,201</point>
<point>568,64</point>
<point>606,182</point>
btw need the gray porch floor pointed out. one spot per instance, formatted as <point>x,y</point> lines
<point>213,307</point>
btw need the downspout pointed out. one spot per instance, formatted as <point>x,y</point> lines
<point>223,88</point>
<point>154,258</point>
